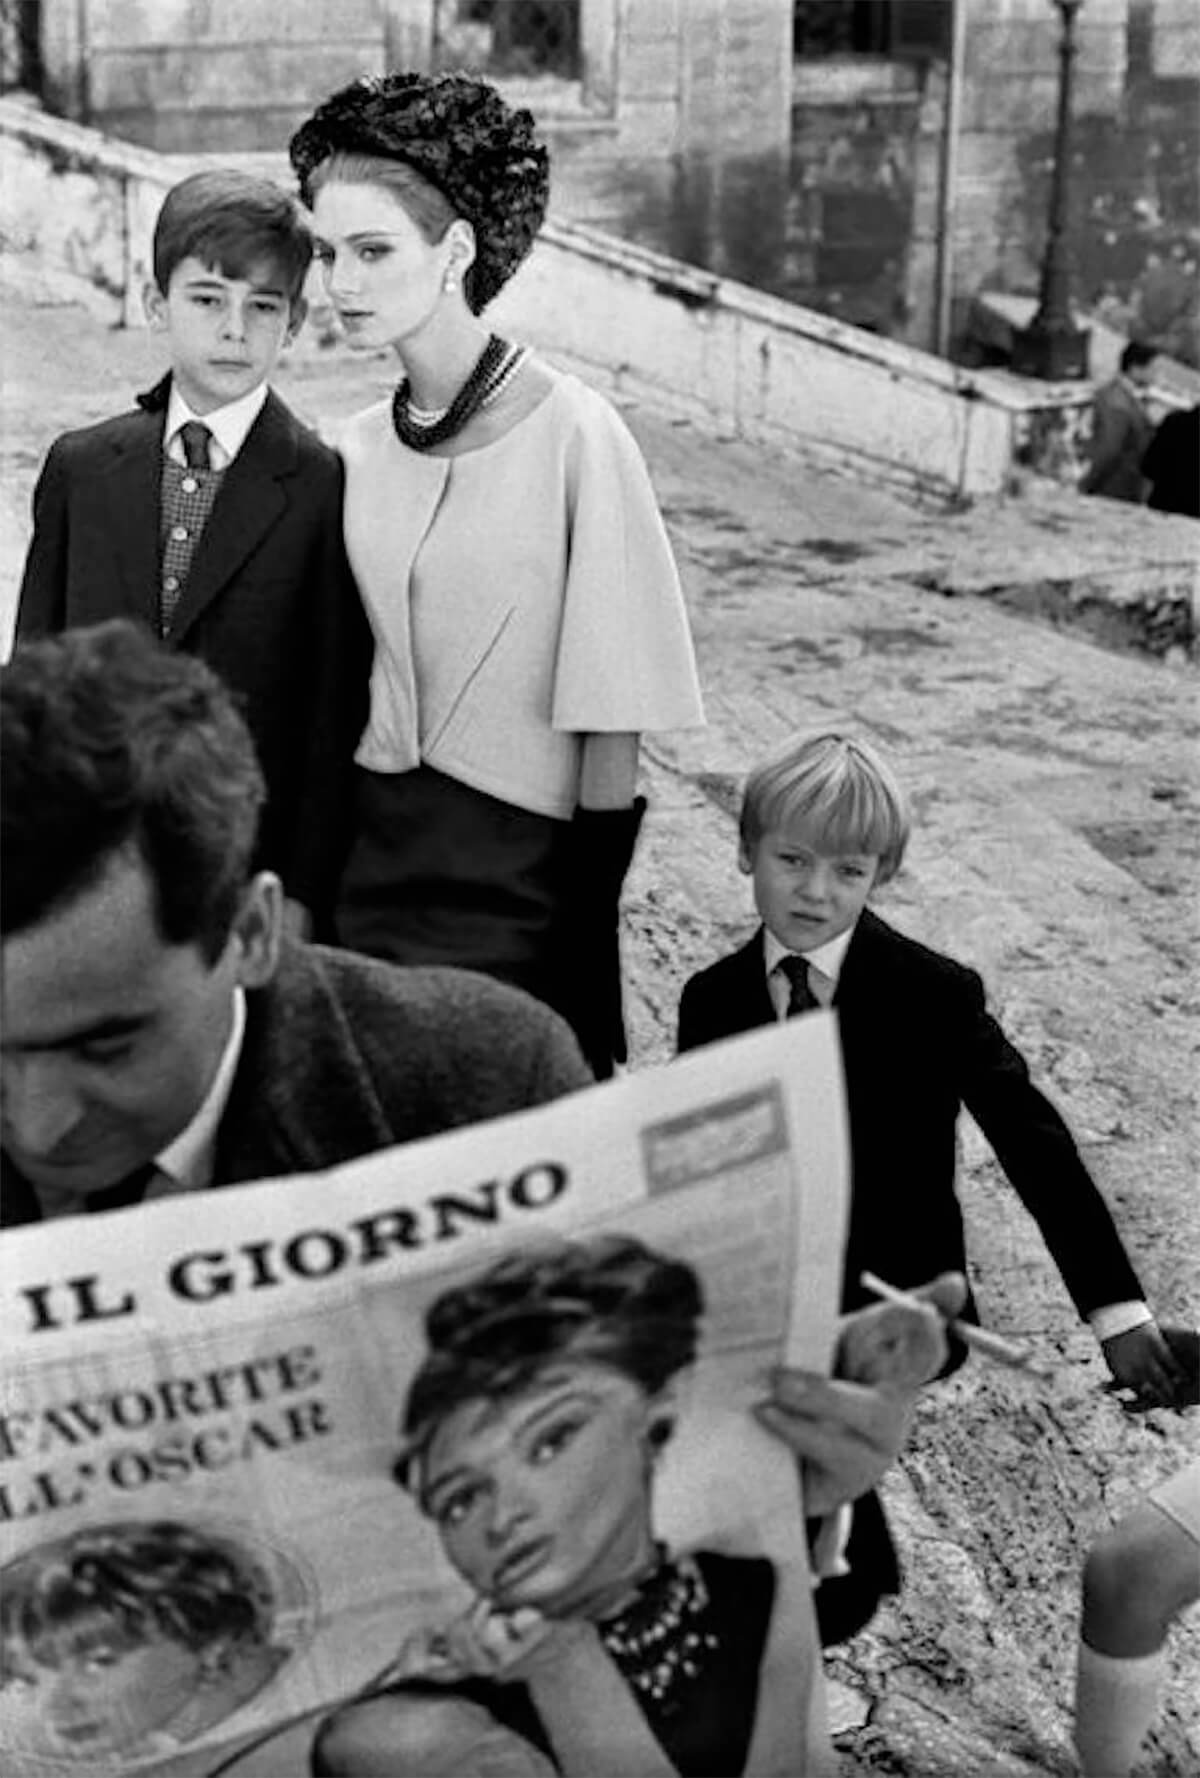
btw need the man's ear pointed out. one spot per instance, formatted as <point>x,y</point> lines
<point>154,303</point>
<point>258,930</point>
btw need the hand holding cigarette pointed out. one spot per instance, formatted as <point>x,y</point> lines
<point>979,1339</point>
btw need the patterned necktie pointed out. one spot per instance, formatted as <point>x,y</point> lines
<point>800,997</point>
<point>130,1190</point>
<point>194,438</point>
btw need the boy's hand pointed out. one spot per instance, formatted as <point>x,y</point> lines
<point>891,1343</point>
<point>846,1431</point>
<point>1141,1360</point>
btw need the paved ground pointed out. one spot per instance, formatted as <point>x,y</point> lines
<point>1057,785</point>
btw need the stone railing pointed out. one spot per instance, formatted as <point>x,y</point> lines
<point>77,208</point>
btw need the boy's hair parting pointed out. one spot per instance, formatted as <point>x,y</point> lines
<point>839,789</point>
<point>110,743</point>
<point>1137,354</point>
<point>233,221</point>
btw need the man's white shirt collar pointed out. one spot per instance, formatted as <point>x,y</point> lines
<point>229,425</point>
<point>187,1163</point>
<point>827,958</point>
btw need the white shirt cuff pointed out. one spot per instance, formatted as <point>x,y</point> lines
<point>1118,1318</point>
<point>828,1549</point>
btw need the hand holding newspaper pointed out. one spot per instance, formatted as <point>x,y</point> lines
<point>476,1413</point>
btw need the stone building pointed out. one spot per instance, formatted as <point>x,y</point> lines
<point>880,160</point>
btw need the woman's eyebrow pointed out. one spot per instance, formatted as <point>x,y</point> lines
<point>449,1479</point>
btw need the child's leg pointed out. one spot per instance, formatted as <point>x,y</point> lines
<point>1137,1579</point>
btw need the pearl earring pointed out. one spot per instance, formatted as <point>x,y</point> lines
<point>449,282</point>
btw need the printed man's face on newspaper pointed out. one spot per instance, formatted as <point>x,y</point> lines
<point>106,1693</point>
<point>543,1498</point>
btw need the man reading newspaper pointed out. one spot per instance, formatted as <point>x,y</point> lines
<point>160,1038</point>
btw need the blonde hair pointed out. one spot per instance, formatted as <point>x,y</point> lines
<point>838,789</point>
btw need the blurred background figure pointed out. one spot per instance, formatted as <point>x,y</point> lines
<point>1121,430</point>
<point>1172,463</point>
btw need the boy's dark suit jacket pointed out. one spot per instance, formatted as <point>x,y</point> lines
<point>270,603</point>
<point>919,1045</point>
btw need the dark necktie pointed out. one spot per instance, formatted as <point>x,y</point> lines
<point>194,438</point>
<point>800,997</point>
<point>130,1190</point>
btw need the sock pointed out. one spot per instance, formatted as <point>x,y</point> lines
<point>1115,1703</point>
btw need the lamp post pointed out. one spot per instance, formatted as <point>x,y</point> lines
<point>1052,346</point>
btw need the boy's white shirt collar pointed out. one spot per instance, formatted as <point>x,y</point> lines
<point>229,425</point>
<point>828,958</point>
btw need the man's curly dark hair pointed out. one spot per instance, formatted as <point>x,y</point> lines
<point>456,132</point>
<point>110,742</point>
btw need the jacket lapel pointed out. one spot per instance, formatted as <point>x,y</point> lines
<point>252,500</point>
<point>129,484</point>
<point>864,957</point>
<point>747,996</point>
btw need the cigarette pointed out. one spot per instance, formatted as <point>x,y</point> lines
<point>980,1339</point>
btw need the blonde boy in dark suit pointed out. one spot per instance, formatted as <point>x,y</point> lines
<point>824,824</point>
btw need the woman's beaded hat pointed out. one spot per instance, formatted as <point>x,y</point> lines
<point>458,133</point>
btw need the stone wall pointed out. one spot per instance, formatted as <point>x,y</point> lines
<point>228,75</point>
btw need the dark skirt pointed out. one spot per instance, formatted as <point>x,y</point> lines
<point>441,873</point>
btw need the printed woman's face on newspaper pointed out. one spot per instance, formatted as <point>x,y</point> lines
<point>543,1498</point>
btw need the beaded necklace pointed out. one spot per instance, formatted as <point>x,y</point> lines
<point>662,1642</point>
<point>420,428</point>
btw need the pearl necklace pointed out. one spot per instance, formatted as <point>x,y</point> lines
<point>661,1642</point>
<point>420,428</point>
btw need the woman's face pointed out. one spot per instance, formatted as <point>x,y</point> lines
<point>543,1499</point>
<point>383,277</point>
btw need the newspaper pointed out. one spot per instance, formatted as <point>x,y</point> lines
<point>208,1538</point>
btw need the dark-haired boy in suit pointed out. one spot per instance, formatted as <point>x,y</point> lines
<point>824,823</point>
<point>213,516</point>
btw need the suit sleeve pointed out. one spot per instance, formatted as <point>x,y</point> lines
<point>692,1032</point>
<point>685,1027</point>
<point>1042,1163</point>
<point>340,647</point>
<point>41,604</point>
